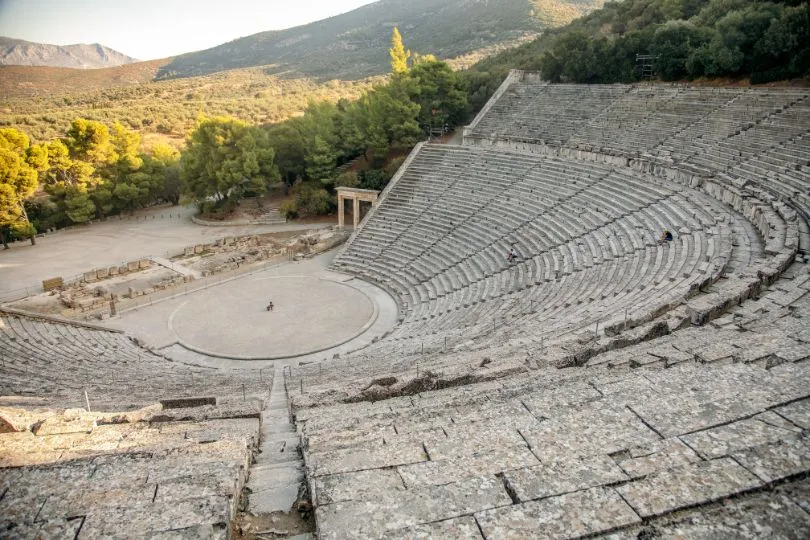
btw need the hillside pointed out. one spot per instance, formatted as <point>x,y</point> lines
<point>741,40</point>
<point>43,106</point>
<point>355,44</point>
<point>18,52</point>
<point>33,81</point>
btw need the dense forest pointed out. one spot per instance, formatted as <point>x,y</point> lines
<point>689,39</point>
<point>96,169</point>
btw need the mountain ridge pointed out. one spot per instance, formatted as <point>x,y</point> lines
<point>355,44</point>
<point>19,52</point>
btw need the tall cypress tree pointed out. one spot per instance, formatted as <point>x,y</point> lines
<point>399,56</point>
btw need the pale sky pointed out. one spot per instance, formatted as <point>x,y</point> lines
<point>150,29</point>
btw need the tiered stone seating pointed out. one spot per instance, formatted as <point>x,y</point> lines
<point>674,122</point>
<point>609,448</point>
<point>457,425</point>
<point>151,473</point>
<point>49,363</point>
<point>734,134</point>
<point>586,232</point>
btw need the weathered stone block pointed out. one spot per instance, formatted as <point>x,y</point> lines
<point>775,461</point>
<point>563,476</point>
<point>723,440</point>
<point>573,515</point>
<point>356,486</point>
<point>392,510</point>
<point>655,456</point>
<point>356,459</point>
<point>102,273</point>
<point>680,487</point>
<point>444,471</point>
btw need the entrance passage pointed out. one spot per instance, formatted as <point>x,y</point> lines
<point>356,196</point>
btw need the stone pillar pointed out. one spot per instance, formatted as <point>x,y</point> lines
<point>340,211</point>
<point>356,211</point>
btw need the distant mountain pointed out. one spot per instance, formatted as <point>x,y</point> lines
<point>355,44</point>
<point>17,52</point>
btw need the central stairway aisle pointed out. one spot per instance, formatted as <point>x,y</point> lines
<point>277,476</point>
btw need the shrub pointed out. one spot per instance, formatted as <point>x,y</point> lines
<point>347,179</point>
<point>312,200</point>
<point>289,209</point>
<point>392,167</point>
<point>373,179</point>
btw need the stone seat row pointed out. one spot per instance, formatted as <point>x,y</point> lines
<point>91,475</point>
<point>56,362</point>
<point>421,233</point>
<point>663,433</point>
<point>629,117</point>
<point>460,319</point>
<point>493,261</point>
<point>783,338</point>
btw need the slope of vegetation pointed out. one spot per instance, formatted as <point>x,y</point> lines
<point>37,81</point>
<point>763,41</point>
<point>168,109</point>
<point>353,45</point>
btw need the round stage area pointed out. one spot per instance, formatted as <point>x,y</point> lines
<point>310,314</point>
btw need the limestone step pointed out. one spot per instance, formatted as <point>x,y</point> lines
<point>279,499</point>
<point>275,429</point>
<point>276,416</point>
<point>280,441</point>
<point>282,445</point>
<point>274,458</point>
<point>277,474</point>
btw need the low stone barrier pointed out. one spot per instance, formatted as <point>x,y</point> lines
<point>238,223</point>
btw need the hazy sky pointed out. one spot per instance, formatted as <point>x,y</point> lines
<point>149,29</point>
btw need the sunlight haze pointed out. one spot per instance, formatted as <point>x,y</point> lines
<point>150,29</point>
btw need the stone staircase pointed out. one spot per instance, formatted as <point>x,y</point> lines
<point>275,486</point>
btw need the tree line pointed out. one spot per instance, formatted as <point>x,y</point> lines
<point>92,172</point>
<point>226,159</point>
<point>95,171</point>
<point>688,39</point>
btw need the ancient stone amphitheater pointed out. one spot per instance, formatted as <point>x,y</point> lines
<point>602,384</point>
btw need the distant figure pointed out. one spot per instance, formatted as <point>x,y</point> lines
<point>270,306</point>
<point>512,255</point>
<point>666,236</point>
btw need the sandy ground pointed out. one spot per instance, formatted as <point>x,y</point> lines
<point>162,231</point>
<point>317,313</point>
